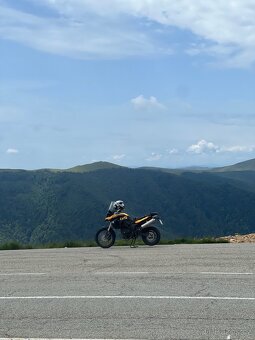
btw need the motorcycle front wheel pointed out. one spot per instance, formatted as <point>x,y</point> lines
<point>105,238</point>
<point>151,236</point>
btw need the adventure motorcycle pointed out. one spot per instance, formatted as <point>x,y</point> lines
<point>130,229</point>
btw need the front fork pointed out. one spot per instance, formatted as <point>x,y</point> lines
<point>110,227</point>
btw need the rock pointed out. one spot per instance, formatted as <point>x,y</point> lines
<point>249,238</point>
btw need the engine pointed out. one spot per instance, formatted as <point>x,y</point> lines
<point>126,233</point>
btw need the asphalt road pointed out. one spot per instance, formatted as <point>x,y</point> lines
<point>163,292</point>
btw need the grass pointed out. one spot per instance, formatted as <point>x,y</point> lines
<point>13,245</point>
<point>67,244</point>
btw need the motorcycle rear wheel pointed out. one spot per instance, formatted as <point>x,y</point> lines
<point>151,236</point>
<point>105,238</point>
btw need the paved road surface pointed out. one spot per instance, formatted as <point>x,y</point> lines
<point>164,292</point>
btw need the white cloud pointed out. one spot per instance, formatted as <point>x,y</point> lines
<point>154,157</point>
<point>118,157</point>
<point>75,32</point>
<point>112,28</point>
<point>238,148</point>
<point>142,103</point>
<point>226,27</point>
<point>173,151</point>
<point>203,147</point>
<point>12,151</point>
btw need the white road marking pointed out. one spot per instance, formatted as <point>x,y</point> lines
<point>63,339</point>
<point>17,274</point>
<point>139,273</point>
<point>111,297</point>
<point>225,273</point>
<point>125,273</point>
<point>171,273</point>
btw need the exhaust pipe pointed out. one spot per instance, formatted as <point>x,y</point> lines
<point>146,224</point>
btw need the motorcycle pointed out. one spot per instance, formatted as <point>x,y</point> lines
<point>130,229</point>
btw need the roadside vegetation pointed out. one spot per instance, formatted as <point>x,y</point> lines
<point>76,244</point>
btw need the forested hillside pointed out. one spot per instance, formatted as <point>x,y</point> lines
<point>46,206</point>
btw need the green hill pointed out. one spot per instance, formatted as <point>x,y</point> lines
<point>44,206</point>
<point>242,166</point>
<point>248,165</point>
<point>241,175</point>
<point>93,167</point>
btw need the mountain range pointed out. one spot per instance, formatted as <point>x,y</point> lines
<point>52,205</point>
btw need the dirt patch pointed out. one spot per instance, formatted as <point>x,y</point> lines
<point>249,238</point>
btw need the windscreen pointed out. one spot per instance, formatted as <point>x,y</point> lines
<point>111,207</point>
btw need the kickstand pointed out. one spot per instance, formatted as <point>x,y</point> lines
<point>132,244</point>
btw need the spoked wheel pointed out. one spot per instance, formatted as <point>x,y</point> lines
<point>151,236</point>
<point>105,238</point>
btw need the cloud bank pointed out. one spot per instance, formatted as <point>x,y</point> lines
<point>204,147</point>
<point>224,30</point>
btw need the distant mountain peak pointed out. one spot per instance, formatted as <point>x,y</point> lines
<point>241,166</point>
<point>93,167</point>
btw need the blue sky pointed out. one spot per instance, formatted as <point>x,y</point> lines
<point>166,83</point>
